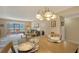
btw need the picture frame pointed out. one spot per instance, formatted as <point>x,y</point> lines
<point>53,23</point>
<point>36,25</point>
<point>62,23</point>
<point>1,25</point>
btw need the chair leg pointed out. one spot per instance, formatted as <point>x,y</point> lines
<point>76,50</point>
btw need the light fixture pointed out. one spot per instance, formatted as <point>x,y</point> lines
<point>46,14</point>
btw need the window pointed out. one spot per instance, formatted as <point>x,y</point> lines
<point>15,27</point>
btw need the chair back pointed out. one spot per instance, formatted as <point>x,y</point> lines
<point>8,47</point>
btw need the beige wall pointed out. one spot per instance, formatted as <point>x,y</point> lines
<point>72,30</point>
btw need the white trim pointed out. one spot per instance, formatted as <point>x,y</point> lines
<point>11,18</point>
<point>76,42</point>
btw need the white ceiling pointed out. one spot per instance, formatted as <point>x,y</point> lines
<point>27,12</point>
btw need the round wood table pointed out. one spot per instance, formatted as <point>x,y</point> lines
<point>25,47</point>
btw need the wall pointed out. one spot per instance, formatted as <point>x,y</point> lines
<point>3,30</point>
<point>72,29</point>
<point>46,26</point>
<point>62,27</point>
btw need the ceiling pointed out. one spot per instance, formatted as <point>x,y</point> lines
<point>29,12</point>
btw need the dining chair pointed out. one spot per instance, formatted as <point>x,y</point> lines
<point>8,47</point>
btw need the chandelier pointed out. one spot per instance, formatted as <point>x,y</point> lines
<point>46,14</point>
